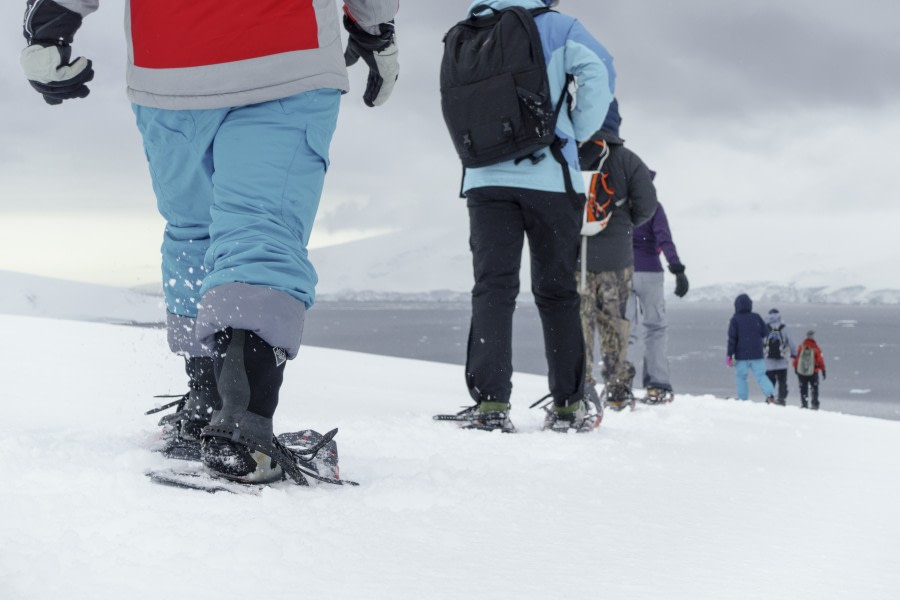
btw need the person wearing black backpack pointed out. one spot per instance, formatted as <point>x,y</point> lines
<point>504,81</point>
<point>778,348</point>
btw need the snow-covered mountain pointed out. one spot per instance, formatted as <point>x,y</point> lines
<point>435,263</point>
<point>32,295</point>
<point>703,498</point>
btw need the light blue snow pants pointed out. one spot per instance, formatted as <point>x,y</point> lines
<point>758,367</point>
<point>239,189</point>
<point>648,338</point>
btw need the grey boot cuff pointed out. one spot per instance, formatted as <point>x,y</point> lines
<point>180,332</point>
<point>271,314</point>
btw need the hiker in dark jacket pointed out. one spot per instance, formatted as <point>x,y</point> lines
<point>647,304</point>
<point>607,259</point>
<point>746,332</point>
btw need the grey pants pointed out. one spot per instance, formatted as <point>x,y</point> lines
<point>648,340</point>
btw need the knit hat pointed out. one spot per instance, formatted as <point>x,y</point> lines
<point>613,120</point>
<point>774,311</point>
<point>811,334</point>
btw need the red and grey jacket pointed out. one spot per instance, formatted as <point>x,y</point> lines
<point>195,54</point>
<point>810,343</point>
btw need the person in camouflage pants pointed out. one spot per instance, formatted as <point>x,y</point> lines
<point>603,299</point>
<point>607,257</point>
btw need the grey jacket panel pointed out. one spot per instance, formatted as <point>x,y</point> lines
<point>612,248</point>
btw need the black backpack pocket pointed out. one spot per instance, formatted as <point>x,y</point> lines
<point>484,119</point>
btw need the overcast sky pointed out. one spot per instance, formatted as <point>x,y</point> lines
<point>791,108</point>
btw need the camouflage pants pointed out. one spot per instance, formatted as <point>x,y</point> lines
<point>603,300</point>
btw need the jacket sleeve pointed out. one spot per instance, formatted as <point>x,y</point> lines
<point>592,66</point>
<point>732,337</point>
<point>641,191</point>
<point>663,236</point>
<point>788,342</point>
<point>371,13</point>
<point>820,360</point>
<point>82,7</point>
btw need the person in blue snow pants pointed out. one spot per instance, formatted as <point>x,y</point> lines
<point>236,106</point>
<point>746,332</point>
<point>239,189</point>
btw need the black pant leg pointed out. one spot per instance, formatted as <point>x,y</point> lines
<point>781,375</point>
<point>814,384</point>
<point>496,236</point>
<point>553,225</point>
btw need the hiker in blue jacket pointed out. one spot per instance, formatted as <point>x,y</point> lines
<point>515,199</point>
<point>746,332</point>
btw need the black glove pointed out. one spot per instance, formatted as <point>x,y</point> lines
<point>823,376</point>
<point>380,53</point>
<point>50,29</point>
<point>681,281</point>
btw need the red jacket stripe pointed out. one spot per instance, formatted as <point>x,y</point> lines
<point>171,34</point>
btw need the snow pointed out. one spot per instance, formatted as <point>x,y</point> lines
<point>703,498</point>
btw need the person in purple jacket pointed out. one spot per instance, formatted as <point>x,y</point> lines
<point>646,310</point>
<point>746,332</point>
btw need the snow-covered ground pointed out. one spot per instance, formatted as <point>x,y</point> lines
<point>705,498</point>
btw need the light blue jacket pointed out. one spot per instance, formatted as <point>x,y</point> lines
<point>568,49</point>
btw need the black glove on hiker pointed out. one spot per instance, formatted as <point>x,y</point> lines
<point>380,53</point>
<point>50,29</point>
<point>681,280</point>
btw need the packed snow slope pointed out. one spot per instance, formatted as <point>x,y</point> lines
<point>704,498</point>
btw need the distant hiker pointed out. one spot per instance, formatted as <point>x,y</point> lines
<point>521,180</point>
<point>625,186</point>
<point>236,103</point>
<point>778,348</point>
<point>646,308</point>
<point>746,331</point>
<point>808,363</point>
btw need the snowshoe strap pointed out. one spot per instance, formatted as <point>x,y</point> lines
<point>293,462</point>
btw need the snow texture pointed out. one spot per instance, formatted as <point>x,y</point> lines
<point>703,498</point>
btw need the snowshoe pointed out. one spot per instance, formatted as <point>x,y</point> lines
<point>618,397</point>
<point>485,416</point>
<point>582,416</point>
<point>658,396</point>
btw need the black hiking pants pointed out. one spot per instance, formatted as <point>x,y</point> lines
<point>778,377</point>
<point>809,383</point>
<point>500,218</point>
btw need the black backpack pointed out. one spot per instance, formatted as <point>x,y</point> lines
<point>775,343</point>
<point>495,96</point>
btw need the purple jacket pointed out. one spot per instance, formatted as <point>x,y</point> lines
<point>649,239</point>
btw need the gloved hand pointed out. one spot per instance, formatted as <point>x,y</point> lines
<point>380,53</point>
<point>729,360</point>
<point>823,376</point>
<point>681,281</point>
<point>50,29</point>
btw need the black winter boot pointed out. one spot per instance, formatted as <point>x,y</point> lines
<point>203,398</point>
<point>249,373</point>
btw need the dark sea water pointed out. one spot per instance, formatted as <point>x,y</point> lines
<point>860,343</point>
